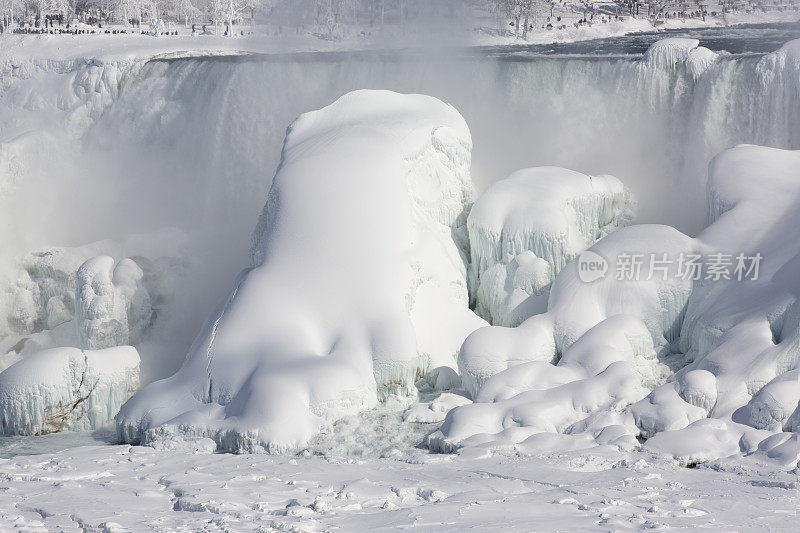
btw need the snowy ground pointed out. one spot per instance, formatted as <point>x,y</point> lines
<point>124,488</point>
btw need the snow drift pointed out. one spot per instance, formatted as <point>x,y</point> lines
<point>703,366</point>
<point>66,388</point>
<point>357,285</point>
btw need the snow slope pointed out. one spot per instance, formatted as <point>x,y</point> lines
<point>703,367</point>
<point>66,388</point>
<point>357,285</point>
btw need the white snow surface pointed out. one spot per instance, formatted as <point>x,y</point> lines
<point>66,388</point>
<point>524,229</point>
<point>358,284</point>
<point>703,368</point>
<point>118,488</point>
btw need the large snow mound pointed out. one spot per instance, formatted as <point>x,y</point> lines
<point>66,388</point>
<point>524,229</point>
<point>358,284</point>
<point>703,363</point>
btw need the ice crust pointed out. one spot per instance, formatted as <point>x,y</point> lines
<point>702,368</point>
<point>524,229</point>
<point>357,285</point>
<point>66,388</point>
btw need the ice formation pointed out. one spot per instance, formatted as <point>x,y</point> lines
<point>94,296</point>
<point>66,388</point>
<point>525,228</point>
<point>357,287</point>
<point>701,366</point>
<point>674,105</point>
<point>112,306</point>
<point>674,51</point>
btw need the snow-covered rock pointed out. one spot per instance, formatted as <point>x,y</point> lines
<point>715,355</point>
<point>66,388</point>
<point>435,410</point>
<point>357,285</point>
<point>524,229</point>
<point>670,52</point>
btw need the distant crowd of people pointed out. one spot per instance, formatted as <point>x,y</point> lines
<point>47,26</point>
<point>70,30</point>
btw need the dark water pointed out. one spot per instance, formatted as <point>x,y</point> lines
<point>753,39</point>
<point>750,39</point>
<point>13,446</point>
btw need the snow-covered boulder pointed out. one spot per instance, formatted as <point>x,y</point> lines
<point>672,51</point>
<point>776,406</point>
<point>357,285</point>
<point>435,410</point>
<point>66,388</point>
<point>716,371</point>
<point>524,229</point>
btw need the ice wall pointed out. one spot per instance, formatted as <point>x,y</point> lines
<point>357,286</point>
<point>653,123</point>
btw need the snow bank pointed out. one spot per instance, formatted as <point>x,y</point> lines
<point>525,228</point>
<point>357,285</point>
<point>66,388</point>
<point>702,366</point>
